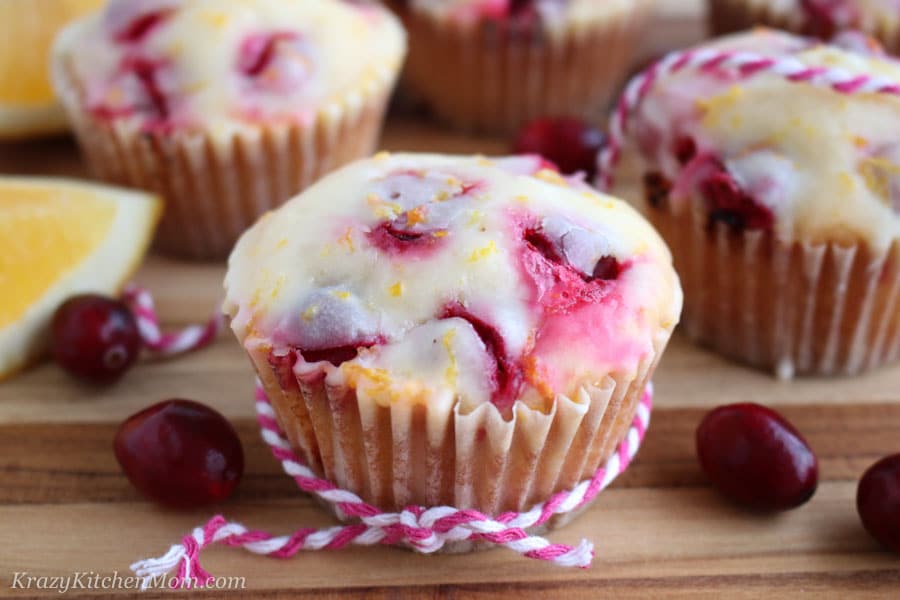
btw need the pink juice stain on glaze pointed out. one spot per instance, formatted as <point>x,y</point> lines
<point>593,333</point>
<point>396,240</point>
<point>582,314</point>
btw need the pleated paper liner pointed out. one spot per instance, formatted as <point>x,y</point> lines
<point>728,16</point>
<point>215,188</point>
<point>433,454</point>
<point>492,77</point>
<point>793,308</point>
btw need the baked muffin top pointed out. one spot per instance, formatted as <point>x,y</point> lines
<point>164,65</point>
<point>761,152</point>
<point>552,13</point>
<point>441,278</point>
<point>826,17</point>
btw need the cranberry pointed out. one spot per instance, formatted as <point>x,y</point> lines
<point>508,376</point>
<point>755,457</point>
<point>336,355</point>
<point>569,143</point>
<point>146,72</point>
<point>656,189</point>
<point>539,242</point>
<point>685,149</point>
<point>258,52</point>
<point>95,338</point>
<point>138,28</point>
<point>729,204</point>
<point>391,237</point>
<point>878,501</point>
<point>180,453</point>
<point>819,18</point>
<point>607,268</point>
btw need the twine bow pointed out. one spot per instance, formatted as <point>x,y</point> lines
<point>425,530</point>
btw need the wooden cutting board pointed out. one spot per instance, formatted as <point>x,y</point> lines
<point>659,531</point>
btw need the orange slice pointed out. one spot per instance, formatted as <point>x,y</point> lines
<point>58,238</point>
<point>27,29</point>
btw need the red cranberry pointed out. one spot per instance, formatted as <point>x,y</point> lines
<point>656,189</point>
<point>685,149</point>
<point>541,243</point>
<point>569,143</point>
<point>180,453</point>
<point>138,28</point>
<point>146,71</point>
<point>258,52</point>
<point>336,356</point>
<point>878,501</point>
<point>819,18</point>
<point>95,338</point>
<point>508,376</point>
<point>729,204</point>
<point>756,458</point>
<point>391,237</point>
<point>607,268</point>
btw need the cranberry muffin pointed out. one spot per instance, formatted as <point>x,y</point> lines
<point>226,109</point>
<point>820,18</point>
<point>490,65</point>
<point>779,197</point>
<point>440,330</point>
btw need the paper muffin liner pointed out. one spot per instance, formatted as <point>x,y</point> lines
<point>492,77</point>
<point>728,16</point>
<point>794,308</point>
<point>215,188</point>
<point>433,454</point>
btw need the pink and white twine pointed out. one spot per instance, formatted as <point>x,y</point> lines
<point>746,64</point>
<point>424,530</point>
<point>168,344</point>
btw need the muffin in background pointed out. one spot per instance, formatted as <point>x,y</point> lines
<point>28,107</point>
<point>441,330</point>
<point>819,18</point>
<point>491,65</point>
<point>226,109</point>
<point>780,201</point>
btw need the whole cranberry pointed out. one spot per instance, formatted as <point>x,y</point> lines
<point>569,143</point>
<point>95,338</point>
<point>180,453</point>
<point>878,501</point>
<point>756,458</point>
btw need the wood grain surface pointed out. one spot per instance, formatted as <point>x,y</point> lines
<point>660,531</point>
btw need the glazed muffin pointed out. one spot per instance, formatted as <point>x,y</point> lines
<point>820,18</point>
<point>226,109</point>
<point>490,65</point>
<point>779,197</point>
<point>439,330</point>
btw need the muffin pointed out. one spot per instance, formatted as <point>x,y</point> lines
<point>779,196</point>
<point>490,65</point>
<point>820,18</point>
<point>226,109</point>
<point>439,330</point>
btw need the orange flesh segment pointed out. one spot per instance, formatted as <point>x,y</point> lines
<point>44,234</point>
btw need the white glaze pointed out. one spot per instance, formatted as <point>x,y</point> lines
<point>340,49</point>
<point>827,164</point>
<point>308,276</point>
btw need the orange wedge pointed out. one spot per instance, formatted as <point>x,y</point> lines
<point>27,29</point>
<point>59,238</point>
